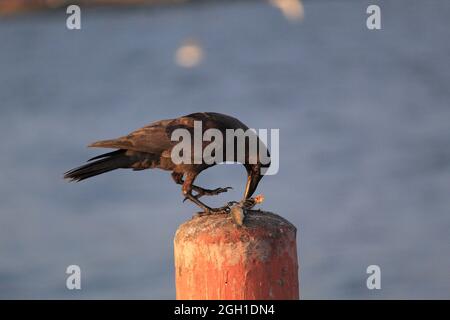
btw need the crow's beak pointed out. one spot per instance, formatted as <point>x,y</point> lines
<point>252,183</point>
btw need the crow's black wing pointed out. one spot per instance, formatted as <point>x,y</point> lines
<point>154,139</point>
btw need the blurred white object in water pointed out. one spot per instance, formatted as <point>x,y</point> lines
<point>292,9</point>
<point>189,54</point>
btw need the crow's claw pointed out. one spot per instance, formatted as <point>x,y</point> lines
<point>220,190</point>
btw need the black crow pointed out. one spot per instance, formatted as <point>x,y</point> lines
<point>151,147</point>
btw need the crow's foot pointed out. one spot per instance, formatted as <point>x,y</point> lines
<point>213,211</point>
<point>207,192</point>
<point>221,210</point>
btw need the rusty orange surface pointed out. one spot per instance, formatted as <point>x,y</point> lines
<point>216,259</point>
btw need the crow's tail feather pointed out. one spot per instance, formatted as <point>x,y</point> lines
<point>107,162</point>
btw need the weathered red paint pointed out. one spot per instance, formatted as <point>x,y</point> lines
<point>216,259</point>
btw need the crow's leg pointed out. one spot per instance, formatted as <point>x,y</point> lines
<point>178,178</point>
<point>187,192</point>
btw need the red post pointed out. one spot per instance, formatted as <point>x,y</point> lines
<point>217,260</point>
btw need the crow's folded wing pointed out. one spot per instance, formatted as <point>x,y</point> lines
<point>154,138</point>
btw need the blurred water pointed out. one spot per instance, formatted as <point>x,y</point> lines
<point>364,121</point>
